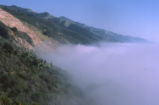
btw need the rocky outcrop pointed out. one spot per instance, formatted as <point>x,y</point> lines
<point>14,23</point>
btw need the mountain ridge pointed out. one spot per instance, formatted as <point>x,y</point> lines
<point>65,30</point>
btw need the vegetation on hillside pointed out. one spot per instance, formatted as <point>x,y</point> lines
<point>23,76</point>
<point>28,80</point>
<point>52,28</point>
<point>65,30</point>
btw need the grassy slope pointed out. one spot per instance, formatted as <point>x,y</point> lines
<point>26,80</point>
<point>24,77</point>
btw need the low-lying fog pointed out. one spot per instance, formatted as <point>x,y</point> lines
<point>112,74</point>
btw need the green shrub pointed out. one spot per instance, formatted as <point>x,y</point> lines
<point>7,47</point>
<point>5,100</point>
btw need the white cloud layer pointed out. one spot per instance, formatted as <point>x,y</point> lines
<point>112,74</point>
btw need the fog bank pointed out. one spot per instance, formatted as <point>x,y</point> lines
<point>112,74</point>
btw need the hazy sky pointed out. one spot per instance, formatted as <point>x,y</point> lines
<point>130,17</point>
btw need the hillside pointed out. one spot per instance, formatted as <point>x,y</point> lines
<point>65,30</point>
<point>25,79</point>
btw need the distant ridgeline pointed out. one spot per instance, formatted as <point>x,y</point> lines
<point>65,30</point>
<point>26,79</point>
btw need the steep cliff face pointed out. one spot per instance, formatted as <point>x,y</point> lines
<point>17,27</point>
<point>12,22</point>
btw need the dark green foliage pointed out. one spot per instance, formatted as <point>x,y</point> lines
<point>4,100</point>
<point>4,31</point>
<point>25,78</point>
<point>28,80</point>
<point>19,78</point>
<point>7,48</point>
